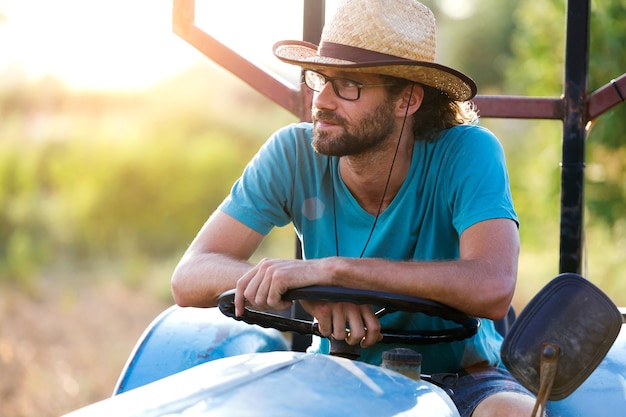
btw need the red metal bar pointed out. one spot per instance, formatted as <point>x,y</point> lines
<point>512,107</point>
<point>273,87</point>
<point>606,97</point>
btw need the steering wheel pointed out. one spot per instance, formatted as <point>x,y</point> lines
<point>387,302</point>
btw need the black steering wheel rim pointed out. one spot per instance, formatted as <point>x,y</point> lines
<point>467,326</point>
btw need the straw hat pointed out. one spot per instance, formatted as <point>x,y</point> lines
<point>389,37</point>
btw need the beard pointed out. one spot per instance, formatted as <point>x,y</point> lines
<point>370,131</point>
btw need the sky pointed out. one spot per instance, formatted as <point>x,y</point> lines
<point>91,43</point>
<point>129,44</point>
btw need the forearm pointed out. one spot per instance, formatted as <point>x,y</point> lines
<point>200,278</point>
<point>214,261</point>
<point>477,287</point>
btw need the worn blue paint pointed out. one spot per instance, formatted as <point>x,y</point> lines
<point>181,338</point>
<point>199,362</point>
<point>280,384</point>
<point>604,392</point>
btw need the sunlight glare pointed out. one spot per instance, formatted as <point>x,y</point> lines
<point>251,27</point>
<point>129,44</point>
<point>458,9</point>
<point>112,44</point>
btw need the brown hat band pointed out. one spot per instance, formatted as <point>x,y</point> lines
<point>355,54</point>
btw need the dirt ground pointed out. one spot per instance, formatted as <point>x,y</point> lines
<point>64,348</point>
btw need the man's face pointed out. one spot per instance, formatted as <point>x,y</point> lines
<point>367,122</point>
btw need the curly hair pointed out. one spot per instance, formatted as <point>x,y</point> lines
<point>437,112</point>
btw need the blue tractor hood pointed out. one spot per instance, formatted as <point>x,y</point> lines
<point>280,384</point>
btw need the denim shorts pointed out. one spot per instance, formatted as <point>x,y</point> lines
<point>474,387</point>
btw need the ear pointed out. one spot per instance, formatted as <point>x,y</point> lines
<point>412,97</point>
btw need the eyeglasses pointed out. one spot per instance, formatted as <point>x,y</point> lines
<point>343,87</point>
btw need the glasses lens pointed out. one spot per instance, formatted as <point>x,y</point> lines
<point>315,81</point>
<point>344,88</point>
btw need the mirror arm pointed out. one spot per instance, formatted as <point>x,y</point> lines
<point>549,361</point>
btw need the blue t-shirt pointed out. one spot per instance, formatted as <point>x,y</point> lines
<point>454,182</point>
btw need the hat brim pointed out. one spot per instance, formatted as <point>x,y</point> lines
<point>455,84</point>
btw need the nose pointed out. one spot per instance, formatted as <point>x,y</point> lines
<point>326,97</point>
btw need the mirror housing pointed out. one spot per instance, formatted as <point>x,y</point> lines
<point>571,314</point>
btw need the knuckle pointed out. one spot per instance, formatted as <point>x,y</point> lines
<point>323,309</point>
<point>357,333</point>
<point>374,326</point>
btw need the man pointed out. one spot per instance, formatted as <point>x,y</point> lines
<point>392,188</point>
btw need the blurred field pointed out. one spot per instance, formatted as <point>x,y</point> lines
<point>100,195</point>
<point>64,346</point>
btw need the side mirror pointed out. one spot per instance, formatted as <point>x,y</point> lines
<point>560,337</point>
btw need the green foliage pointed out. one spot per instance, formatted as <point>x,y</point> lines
<point>606,172</point>
<point>96,177</point>
<point>479,44</point>
<point>539,45</point>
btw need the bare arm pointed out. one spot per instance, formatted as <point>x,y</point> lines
<point>481,283</point>
<point>214,261</point>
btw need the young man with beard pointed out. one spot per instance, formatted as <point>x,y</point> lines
<point>393,187</point>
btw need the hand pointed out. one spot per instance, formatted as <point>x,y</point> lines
<point>334,319</point>
<point>264,285</point>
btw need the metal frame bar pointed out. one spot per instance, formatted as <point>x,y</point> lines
<point>573,145</point>
<point>575,108</point>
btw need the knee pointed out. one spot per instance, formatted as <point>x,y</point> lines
<point>510,404</point>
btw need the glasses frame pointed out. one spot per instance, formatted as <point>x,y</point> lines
<point>333,81</point>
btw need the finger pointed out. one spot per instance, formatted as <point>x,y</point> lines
<point>240,292</point>
<point>357,327</point>
<point>240,300</point>
<point>259,289</point>
<point>339,322</point>
<point>251,281</point>
<point>277,287</point>
<point>372,325</point>
<point>322,314</point>
<point>274,293</point>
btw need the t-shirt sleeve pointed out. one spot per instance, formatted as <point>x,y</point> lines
<point>260,197</point>
<point>479,187</point>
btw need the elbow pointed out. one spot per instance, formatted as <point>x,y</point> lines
<point>178,289</point>
<point>499,311</point>
<point>501,298</point>
<point>188,291</point>
<point>495,311</point>
<point>182,289</point>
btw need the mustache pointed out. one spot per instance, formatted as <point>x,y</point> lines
<point>328,117</point>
